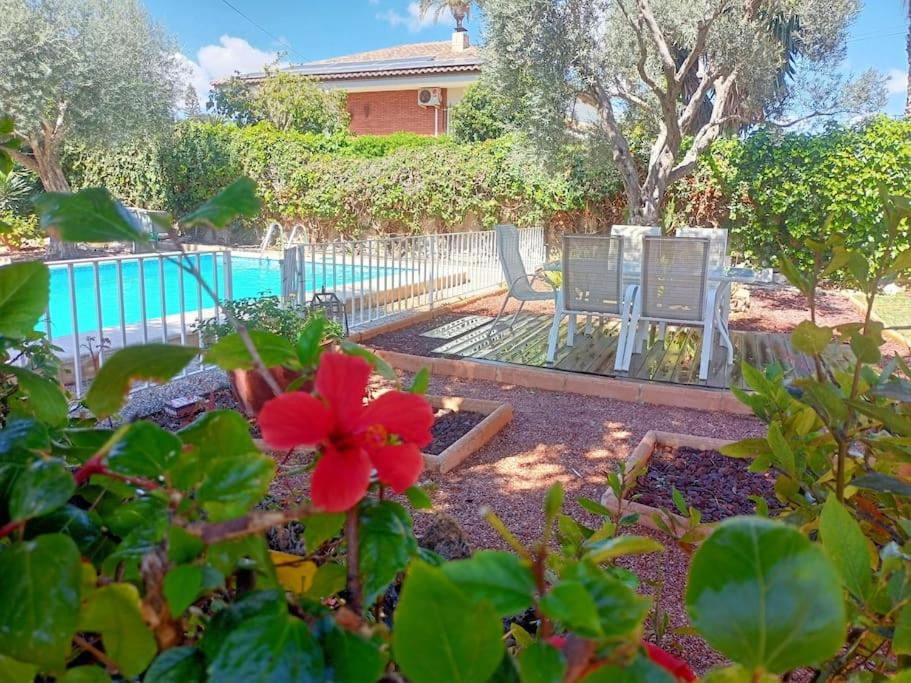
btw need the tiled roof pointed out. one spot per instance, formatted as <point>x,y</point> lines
<point>400,60</point>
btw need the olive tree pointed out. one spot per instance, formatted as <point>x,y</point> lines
<point>689,69</point>
<point>96,71</point>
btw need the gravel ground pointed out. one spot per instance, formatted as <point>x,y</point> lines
<point>148,401</point>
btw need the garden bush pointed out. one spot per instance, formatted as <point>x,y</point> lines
<point>771,189</point>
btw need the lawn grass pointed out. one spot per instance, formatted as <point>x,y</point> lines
<point>895,312</point>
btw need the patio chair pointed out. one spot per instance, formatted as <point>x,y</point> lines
<point>632,242</point>
<point>718,244</point>
<point>675,289</point>
<point>518,281</point>
<point>592,285</point>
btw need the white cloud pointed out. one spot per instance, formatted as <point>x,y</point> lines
<point>413,20</point>
<point>220,61</point>
<point>896,81</point>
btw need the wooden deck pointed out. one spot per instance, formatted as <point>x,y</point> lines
<point>674,360</point>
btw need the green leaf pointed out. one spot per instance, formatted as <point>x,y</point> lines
<point>231,353</point>
<point>593,507</point>
<point>781,591</point>
<point>90,215</point>
<point>418,498</point>
<point>24,288</point>
<point>541,663</point>
<point>115,612</point>
<point>611,548</point>
<point>352,658</point>
<point>570,603</point>
<point>379,366</point>
<point>90,673</point>
<point>85,674</point>
<point>233,484</point>
<point>39,599</point>
<point>901,639</point>
<point>737,674</point>
<point>146,450</point>
<point>436,638</point>
<point>846,544</point>
<point>156,362</point>
<point>496,577</point>
<point>553,502</point>
<point>219,433</point>
<point>177,665</point>
<point>746,448</point>
<point>182,586</point>
<point>310,342</point>
<point>320,528</point>
<point>44,486</point>
<point>421,382</point>
<point>248,607</point>
<point>782,455</point>
<point>14,671</point>
<point>45,398</point>
<point>329,579</point>
<point>271,647</point>
<point>811,339</point>
<point>387,545</point>
<point>236,200</point>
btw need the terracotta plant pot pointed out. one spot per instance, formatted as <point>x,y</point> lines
<point>252,391</point>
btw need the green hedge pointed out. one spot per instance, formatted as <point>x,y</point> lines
<point>772,190</point>
<point>347,185</point>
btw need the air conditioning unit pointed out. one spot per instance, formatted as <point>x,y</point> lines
<point>430,97</point>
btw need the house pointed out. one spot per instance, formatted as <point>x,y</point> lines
<point>402,88</point>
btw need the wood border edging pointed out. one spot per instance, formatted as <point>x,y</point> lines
<point>651,393</point>
<point>498,415</point>
<point>637,463</point>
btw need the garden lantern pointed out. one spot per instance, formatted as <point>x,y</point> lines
<point>332,307</point>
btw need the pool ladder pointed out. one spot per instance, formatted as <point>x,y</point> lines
<point>298,229</point>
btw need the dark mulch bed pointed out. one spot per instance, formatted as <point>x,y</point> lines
<point>715,485</point>
<point>449,426</point>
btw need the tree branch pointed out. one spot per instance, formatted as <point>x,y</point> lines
<point>24,160</point>
<point>664,51</point>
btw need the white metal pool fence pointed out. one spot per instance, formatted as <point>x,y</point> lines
<point>387,276</point>
<point>101,304</point>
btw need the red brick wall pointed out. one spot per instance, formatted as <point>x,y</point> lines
<point>384,112</point>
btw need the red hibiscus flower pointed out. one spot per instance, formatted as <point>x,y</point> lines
<point>354,438</point>
<point>676,666</point>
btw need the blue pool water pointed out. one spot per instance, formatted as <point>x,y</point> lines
<point>251,276</point>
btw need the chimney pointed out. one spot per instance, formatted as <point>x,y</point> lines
<point>460,41</point>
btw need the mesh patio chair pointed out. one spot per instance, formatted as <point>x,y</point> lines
<point>675,289</point>
<point>518,281</point>
<point>632,242</point>
<point>718,244</point>
<point>592,285</point>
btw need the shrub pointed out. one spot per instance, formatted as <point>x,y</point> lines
<point>372,146</point>
<point>17,231</point>
<point>297,103</point>
<point>482,114</point>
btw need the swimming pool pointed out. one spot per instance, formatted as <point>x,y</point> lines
<point>143,297</point>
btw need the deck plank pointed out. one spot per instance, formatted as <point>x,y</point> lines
<point>674,360</point>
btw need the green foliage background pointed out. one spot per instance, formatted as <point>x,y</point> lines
<point>772,190</point>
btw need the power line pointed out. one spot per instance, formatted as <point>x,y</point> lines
<point>280,41</point>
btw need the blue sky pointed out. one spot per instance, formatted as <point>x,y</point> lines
<point>216,39</point>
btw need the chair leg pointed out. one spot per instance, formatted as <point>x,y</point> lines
<point>552,337</point>
<point>588,325</point>
<point>571,331</point>
<point>516,314</point>
<point>493,325</point>
<point>708,341</point>
<point>662,331</point>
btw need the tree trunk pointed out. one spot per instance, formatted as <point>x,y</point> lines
<point>53,179</point>
<point>908,50</point>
